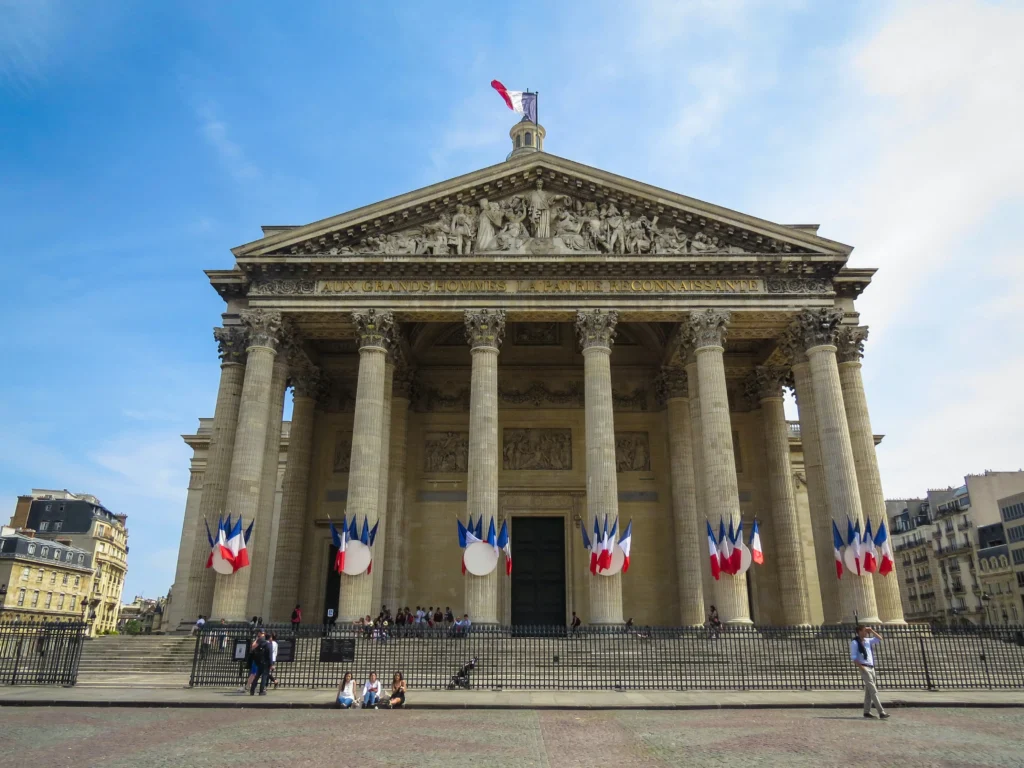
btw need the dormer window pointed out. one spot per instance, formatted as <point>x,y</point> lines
<point>529,139</point>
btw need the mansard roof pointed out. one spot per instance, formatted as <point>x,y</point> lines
<point>360,230</point>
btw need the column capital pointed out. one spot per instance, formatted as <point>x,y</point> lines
<point>671,383</point>
<point>485,328</point>
<point>766,382</point>
<point>232,342</point>
<point>850,343</point>
<point>306,379</point>
<point>266,328</point>
<point>707,328</point>
<point>374,328</point>
<point>818,327</point>
<point>596,328</point>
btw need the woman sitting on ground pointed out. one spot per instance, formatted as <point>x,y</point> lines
<point>371,692</point>
<point>397,698</point>
<point>346,696</point>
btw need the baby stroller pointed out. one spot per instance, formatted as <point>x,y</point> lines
<point>461,678</point>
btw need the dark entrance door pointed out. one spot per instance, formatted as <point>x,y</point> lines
<point>332,587</point>
<point>538,573</point>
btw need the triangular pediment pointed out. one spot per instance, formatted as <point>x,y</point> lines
<point>539,204</point>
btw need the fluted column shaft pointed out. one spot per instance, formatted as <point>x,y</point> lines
<point>697,444</point>
<point>395,550</point>
<point>794,597</point>
<point>721,487</point>
<point>196,596</point>
<point>817,499</point>
<point>374,330</point>
<point>869,481</point>
<point>857,594</point>
<point>294,494</point>
<point>688,531</point>
<point>597,330</point>
<point>383,516</point>
<point>231,592</point>
<point>259,545</point>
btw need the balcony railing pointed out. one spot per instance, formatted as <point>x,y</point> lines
<point>952,549</point>
<point>793,427</point>
<point>963,526</point>
<point>909,579</point>
<point>922,558</point>
<point>927,595</point>
<point>959,589</point>
<point>924,577</point>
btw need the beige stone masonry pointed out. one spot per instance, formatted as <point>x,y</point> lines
<point>374,329</point>
<point>697,444</point>
<point>294,494</point>
<point>850,350</point>
<point>596,330</point>
<point>231,591</point>
<point>197,596</point>
<point>383,517</point>
<point>766,385</point>
<point>707,335</point>
<point>395,553</point>
<point>689,533</point>
<point>259,546</point>
<point>485,330</point>
<point>819,328</point>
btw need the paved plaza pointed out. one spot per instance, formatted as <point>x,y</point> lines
<point>513,739</point>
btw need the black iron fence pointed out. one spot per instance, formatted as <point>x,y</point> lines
<point>648,658</point>
<point>40,653</point>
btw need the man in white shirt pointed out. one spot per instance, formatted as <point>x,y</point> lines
<point>200,622</point>
<point>371,692</point>
<point>273,659</point>
<point>862,654</point>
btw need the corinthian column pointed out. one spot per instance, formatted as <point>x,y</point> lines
<point>688,532</point>
<point>697,449</point>
<point>818,328</point>
<point>485,330</point>
<point>596,329</point>
<point>373,330</point>
<point>232,591</point>
<point>722,498</point>
<point>259,549</point>
<point>872,500</point>
<point>817,499</point>
<point>383,518</point>
<point>395,548</point>
<point>196,593</point>
<point>766,386</point>
<point>294,491</point>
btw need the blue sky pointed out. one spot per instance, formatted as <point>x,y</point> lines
<point>139,141</point>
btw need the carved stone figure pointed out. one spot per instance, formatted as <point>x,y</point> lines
<point>537,449</point>
<point>513,234</point>
<point>632,452</point>
<point>488,222</point>
<point>446,452</point>
<point>540,204</point>
<point>343,452</point>
<point>462,230</point>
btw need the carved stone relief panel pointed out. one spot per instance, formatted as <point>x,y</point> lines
<point>632,452</point>
<point>537,449</point>
<point>536,335</point>
<point>446,452</point>
<point>342,452</point>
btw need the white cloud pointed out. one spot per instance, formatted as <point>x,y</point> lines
<point>29,33</point>
<point>229,152</point>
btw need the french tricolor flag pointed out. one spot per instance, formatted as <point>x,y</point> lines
<point>595,551</point>
<point>868,546</point>
<point>837,549</point>
<point>756,553</point>
<point>625,543</point>
<point>724,547</point>
<point>736,555</point>
<point>523,102</point>
<point>340,540</point>
<point>884,549</point>
<point>505,545</point>
<point>716,567</point>
<point>209,538</point>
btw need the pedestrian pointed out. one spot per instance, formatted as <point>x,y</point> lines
<point>346,696</point>
<point>449,617</point>
<point>260,664</point>
<point>272,638</point>
<point>198,626</point>
<point>862,654</point>
<point>575,625</point>
<point>714,623</point>
<point>371,692</point>
<point>296,616</point>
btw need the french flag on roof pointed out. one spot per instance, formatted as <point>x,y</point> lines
<point>523,102</point>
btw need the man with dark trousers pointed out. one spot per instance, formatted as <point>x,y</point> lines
<point>261,664</point>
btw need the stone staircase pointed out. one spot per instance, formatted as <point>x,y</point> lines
<point>150,660</point>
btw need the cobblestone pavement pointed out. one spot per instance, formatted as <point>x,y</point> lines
<point>43,737</point>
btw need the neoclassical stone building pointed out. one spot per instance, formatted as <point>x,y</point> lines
<point>542,342</point>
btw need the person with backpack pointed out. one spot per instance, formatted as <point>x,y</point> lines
<point>260,664</point>
<point>297,617</point>
<point>862,654</point>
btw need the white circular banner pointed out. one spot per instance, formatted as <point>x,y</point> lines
<point>618,558</point>
<point>480,558</point>
<point>357,558</point>
<point>220,565</point>
<point>850,562</point>
<point>745,558</point>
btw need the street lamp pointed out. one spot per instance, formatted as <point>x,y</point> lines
<point>985,599</point>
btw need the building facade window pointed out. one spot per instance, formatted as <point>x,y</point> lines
<point>1013,512</point>
<point>78,580</point>
<point>66,577</point>
<point>39,576</point>
<point>74,600</point>
<point>1018,557</point>
<point>21,597</point>
<point>44,552</point>
<point>49,599</point>
<point>60,602</point>
<point>1016,533</point>
<point>53,577</point>
<point>44,526</point>
<point>31,549</point>
<point>35,598</point>
<point>24,573</point>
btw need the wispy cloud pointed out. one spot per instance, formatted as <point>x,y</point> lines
<point>30,31</point>
<point>229,153</point>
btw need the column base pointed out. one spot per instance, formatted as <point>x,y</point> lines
<point>740,622</point>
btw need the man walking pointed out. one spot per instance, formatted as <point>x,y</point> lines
<point>260,664</point>
<point>297,617</point>
<point>862,654</point>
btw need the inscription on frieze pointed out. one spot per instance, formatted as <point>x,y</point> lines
<point>537,449</point>
<point>526,287</point>
<point>632,452</point>
<point>446,452</point>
